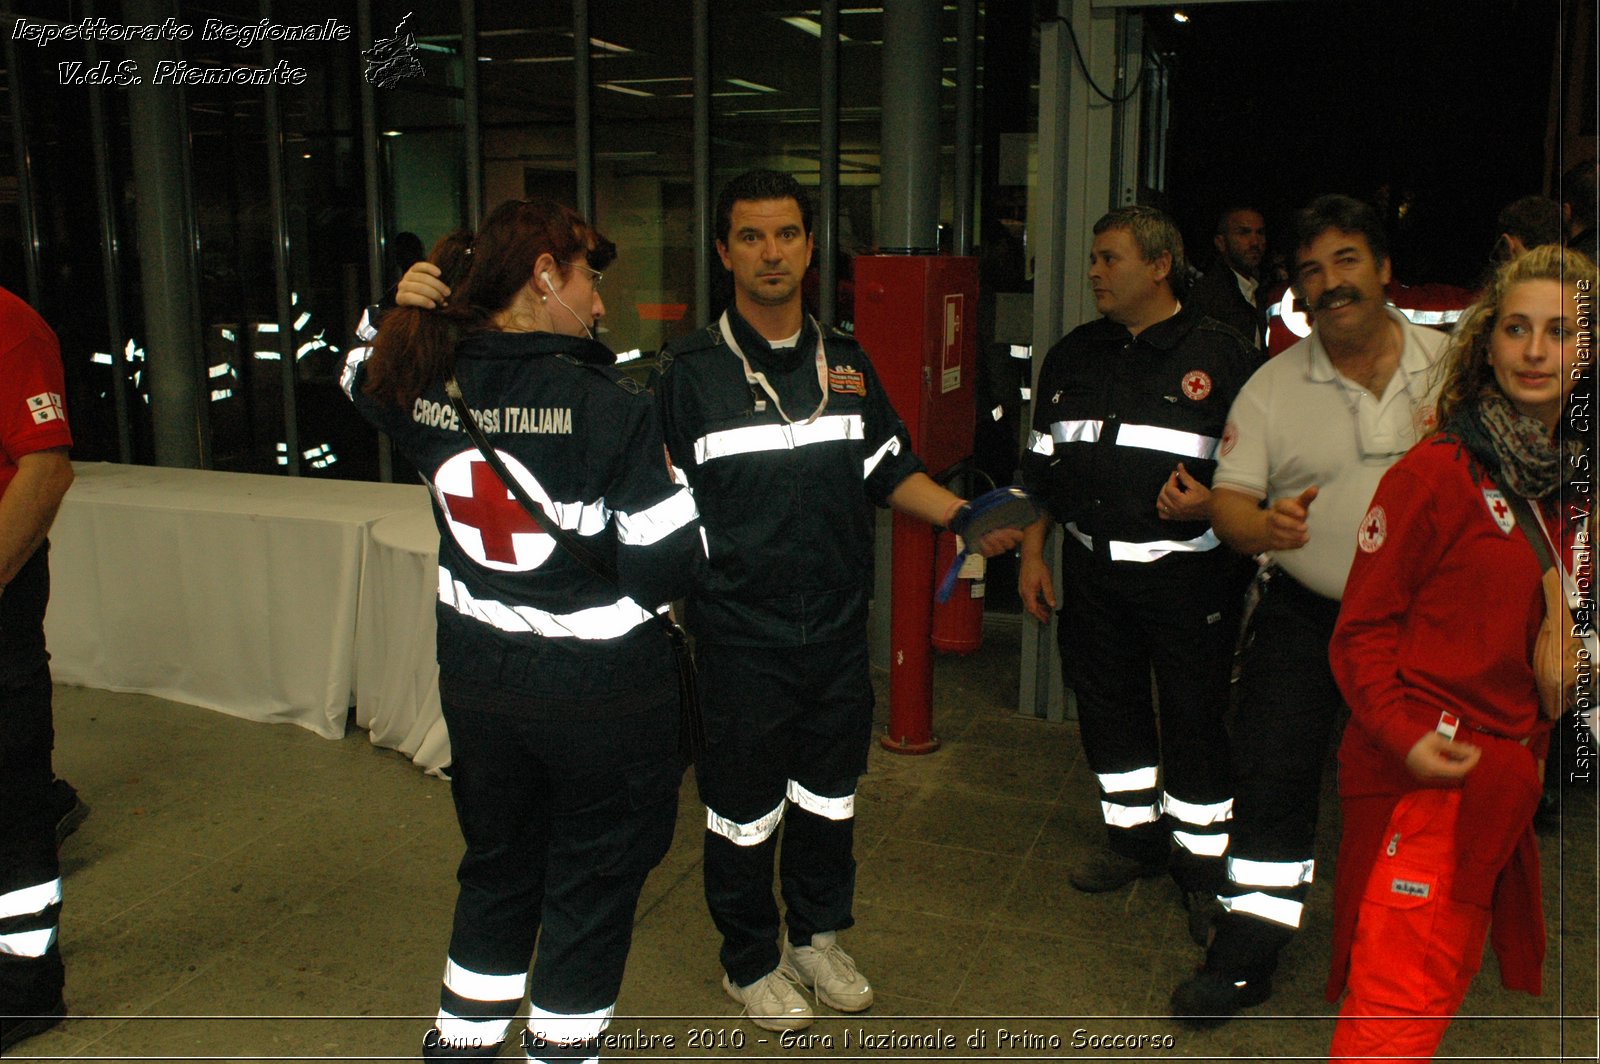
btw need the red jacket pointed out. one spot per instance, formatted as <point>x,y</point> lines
<point>1441,613</point>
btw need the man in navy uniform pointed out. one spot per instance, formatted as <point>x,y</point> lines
<point>1128,421</point>
<point>786,438</point>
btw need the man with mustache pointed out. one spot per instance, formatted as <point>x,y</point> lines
<point>1307,441</point>
<point>787,439</point>
<point>1127,423</point>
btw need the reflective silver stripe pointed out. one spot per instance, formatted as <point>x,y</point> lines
<point>1075,431</point>
<point>347,376</point>
<point>35,899</point>
<point>458,1033</point>
<point>1150,550</point>
<point>657,522</point>
<point>568,1027</point>
<point>1129,816</point>
<point>1278,910</point>
<point>28,943</point>
<point>1203,845</point>
<point>366,328</point>
<point>1197,815</point>
<point>584,518</point>
<point>1039,443</point>
<point>1153,438</point>
<point>1139,779</point>
<point>831,808</point>
<point>597,622</point>
<point>751,834</point>
<point>891,446</point>
<point>1270,873</point>
<point>830,429</point>
<point>476,986</point>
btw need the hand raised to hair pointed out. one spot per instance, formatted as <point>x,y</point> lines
<point>421,287</point>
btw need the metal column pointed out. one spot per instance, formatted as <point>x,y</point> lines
<point>469,107</point>
<point>110,263</point>
<point>165,213</point>
<point>966,121</point>
<point>910,190</point>
<point>702,160</point>
<point>24,165</point>
<point>279,204</point>
<point>910,226</point>
<point>828,164</point>
<point>583,109</point>
<point>1075,187</point>
<point>370,185</point>
<point>1126,113</point>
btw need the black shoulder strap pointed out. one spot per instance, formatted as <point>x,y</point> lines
<point>1530,527</point>
<point>583,555</point>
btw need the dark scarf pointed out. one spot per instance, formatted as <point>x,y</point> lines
<point>1513,448</point>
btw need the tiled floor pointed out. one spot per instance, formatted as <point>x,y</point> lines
<point>246,890</point>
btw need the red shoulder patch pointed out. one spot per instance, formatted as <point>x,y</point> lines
<point>1230,436</point>
<point>847,380</point>
<point>1373,531</point>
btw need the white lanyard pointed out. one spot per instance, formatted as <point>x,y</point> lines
<point>756,377</point>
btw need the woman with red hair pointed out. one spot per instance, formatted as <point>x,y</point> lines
<point>559,691</point>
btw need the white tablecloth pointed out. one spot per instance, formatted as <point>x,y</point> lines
<point>397,676</point>
<point>233,591</point>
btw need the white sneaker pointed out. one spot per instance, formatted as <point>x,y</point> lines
<point>772,1002</point>
<point>829,970</point>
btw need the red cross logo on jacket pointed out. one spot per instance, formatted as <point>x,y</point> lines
<point>493,512</point>
<point>485,520</point>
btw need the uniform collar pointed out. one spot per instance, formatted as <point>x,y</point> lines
<point>1413,359</point>
<point>494,344</point>
<point>1165,334</point>
<point>763,354</point>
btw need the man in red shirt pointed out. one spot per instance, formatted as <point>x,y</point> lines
<point>34,475</point>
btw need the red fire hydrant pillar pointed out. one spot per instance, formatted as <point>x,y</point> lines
<point>911,641</point>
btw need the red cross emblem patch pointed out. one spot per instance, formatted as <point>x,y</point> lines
<point>1230,436</point>
<point>1499,509</point>
<point>1197,384</point>
<point>483,517</point>
<point>1374,529</point>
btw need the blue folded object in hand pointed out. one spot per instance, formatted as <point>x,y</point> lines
<point>1009,507</point>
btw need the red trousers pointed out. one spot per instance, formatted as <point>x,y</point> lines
<point>1416,949</point>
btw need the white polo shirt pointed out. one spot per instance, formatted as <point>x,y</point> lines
<point>1298,422</point>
